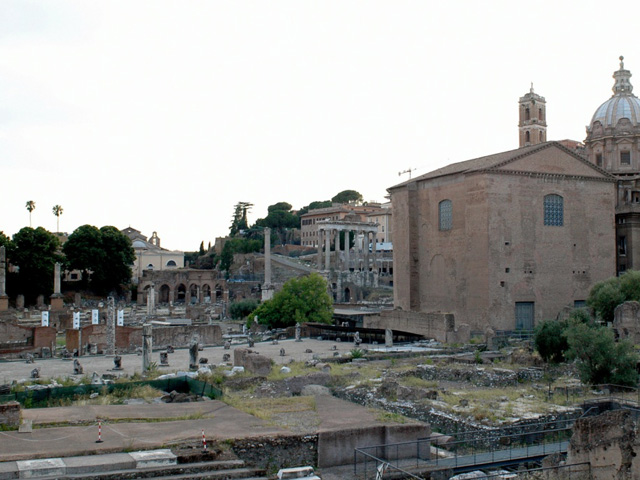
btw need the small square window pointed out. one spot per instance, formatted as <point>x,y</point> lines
<point>625,158</point>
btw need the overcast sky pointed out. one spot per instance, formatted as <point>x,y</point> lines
<point>161,115</point>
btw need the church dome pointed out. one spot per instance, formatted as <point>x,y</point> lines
<point>623,103</point>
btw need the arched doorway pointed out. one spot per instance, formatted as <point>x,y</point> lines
<point>347,295</point>
<point>193,292</point>
<point>206,293</point>
<point>182,293</point>
<point>164,294</point>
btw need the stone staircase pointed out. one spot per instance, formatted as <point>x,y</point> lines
<point>161,464</point>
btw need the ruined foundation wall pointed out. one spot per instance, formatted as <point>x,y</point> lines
<point>609,443</point>
<point>439,326</point>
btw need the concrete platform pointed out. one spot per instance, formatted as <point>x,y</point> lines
<point>52,467</point>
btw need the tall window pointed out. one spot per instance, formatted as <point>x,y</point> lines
<point>445,215</point>
<point>622,245</point>
<point>553,210</point>
<point>625,157</point>
<point>527,114</point>
<point>527,137</point>
<point>599,159</point>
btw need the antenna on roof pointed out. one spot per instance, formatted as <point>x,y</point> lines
<point>409,170</point>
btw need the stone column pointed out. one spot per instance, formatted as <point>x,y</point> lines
<point>4,299</point>
<point>193,355</point>
<point>151,300</point>
<point>327,246</point>
<point>374,240</point>
<point>57,302</point>
<point>147,346</point>
<point>388,338</point>
<point>319,259</point>
<point>267,256</point>
<point>111,326</point>
<point>346,249</point>
<point>365,245</point>
<point>267,286</point>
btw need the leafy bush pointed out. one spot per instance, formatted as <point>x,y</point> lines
<point>551,341</point>
<point>605,296</point>
<point>240,309</point>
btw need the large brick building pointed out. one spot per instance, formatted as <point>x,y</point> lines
<point>505,240</point>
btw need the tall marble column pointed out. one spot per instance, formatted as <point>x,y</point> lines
<point>147,346</point>
<point>346,249</point>
<point>365,245</point>
<point>327,249</point>
<point>57,302</point>
<point>374,240</point>
<point>111,326</point>
<point>4,299</point>
<point>319,259</point>
<point>151,300</point>
<point>267,287</point>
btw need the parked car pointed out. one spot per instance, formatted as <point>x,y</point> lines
<point>305,473</point>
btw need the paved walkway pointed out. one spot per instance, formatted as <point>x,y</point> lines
<point>179,360</point>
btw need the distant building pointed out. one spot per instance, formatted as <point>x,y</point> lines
<point>150,255</point>
<point>613,143</point>
<point>309,229</point>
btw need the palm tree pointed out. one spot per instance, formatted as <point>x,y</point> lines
<point>57,211</point>
<point>31,206</point>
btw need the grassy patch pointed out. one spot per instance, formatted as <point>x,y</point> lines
<point>387,417</point>
<point>267,408</point>
<point>417,382</point>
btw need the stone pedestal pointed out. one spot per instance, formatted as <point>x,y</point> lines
<point>57,302</point>
<point>4,303</point>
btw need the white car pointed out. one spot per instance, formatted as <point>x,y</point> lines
<point>304,473</point>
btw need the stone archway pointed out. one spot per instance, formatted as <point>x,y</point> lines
<point>206,293</point>
<point>193,293</point>
<point>219,293</point>
<point>182,293</point>
<point>163,294</point>
<point>347,295</point>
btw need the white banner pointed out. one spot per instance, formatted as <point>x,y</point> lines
<point>45,319</point>
<point>121,318</point>
<point>95,317</point>
<point>76,320</point>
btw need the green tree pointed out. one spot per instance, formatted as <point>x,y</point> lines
<point>303,299</point>
<point>237,245</point>
<point>239,310</point>
<point>605,296</point>
<point>551,341</point>
<point>35,252</point>
<point>201,250</point>
<point>105,253</point>
<point>31,206</point>
<point>57,211</point>
<point>599,358</point>
<point>239,221</point>
<point>348,196</point>
<point>280,206</point>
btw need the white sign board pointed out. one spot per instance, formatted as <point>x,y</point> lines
<point>95,317</point>
<point>45,319</point>
<point>121,318</point>
<point>76,320</point>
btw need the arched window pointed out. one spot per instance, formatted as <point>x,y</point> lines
<point>541,139</point>
<point>445,215</point>
<point>527,114</point>
<point>171,263</point>
<point>540,116</point>
<point>527,137</point>
<point>553,210</point>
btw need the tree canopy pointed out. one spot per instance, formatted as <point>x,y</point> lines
<point>106,253</point>
<point>239,220</point>
<point>303,299</point>
<point>35,252</point>
<point>605,296</point>
<point>347,196</point>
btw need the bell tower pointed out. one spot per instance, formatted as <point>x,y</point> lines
<point>532,126</point>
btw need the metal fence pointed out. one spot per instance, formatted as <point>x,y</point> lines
<point>41,397</point>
